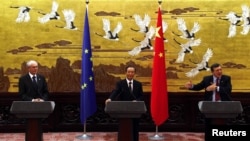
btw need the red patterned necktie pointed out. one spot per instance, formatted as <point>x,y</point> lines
<point>217,94</point>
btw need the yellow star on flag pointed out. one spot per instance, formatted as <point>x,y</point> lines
<point>84,86</point>
<point>160,54</point>
<point>90,78</point>
<point>86,51</point>
<point>157,32</point>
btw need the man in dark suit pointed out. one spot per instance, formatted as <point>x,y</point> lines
<point>223,87</point>
<point>217,87</point>
<point>33,86</point>
<point>124,92</point>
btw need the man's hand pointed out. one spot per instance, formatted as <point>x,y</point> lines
<point>189,85</point>
<point>211,87</point>
<point>108,100</point>
<point>37,100</point>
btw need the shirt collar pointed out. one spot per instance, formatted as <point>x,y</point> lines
<point>31,75</point>
<point>216,78</point>
<point>129,81</point>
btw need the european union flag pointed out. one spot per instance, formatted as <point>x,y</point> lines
<point>88,97</point>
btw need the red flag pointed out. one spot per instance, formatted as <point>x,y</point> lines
<point>159,95</point>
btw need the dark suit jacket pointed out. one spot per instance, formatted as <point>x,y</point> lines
<point>121,91</point>
<point>224,90</point>
<point>28,91</point>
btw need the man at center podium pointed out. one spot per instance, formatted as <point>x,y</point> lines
<point>128,89</point>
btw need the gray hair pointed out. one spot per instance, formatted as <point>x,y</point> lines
<point>30,62</point>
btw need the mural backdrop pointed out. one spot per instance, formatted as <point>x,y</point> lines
<point>197,34</point>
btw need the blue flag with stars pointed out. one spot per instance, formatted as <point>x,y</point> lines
<point>88,97</point>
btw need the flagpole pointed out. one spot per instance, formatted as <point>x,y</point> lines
<point>156,136</point>
<point>84,136</point>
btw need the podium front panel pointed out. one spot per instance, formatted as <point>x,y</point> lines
<point>125,109</point>
<point>221,109</point>
<point>29,109</point>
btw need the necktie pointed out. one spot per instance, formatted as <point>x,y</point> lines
<point>34,81</point>
<point>130,87</point>
<point>217,94</point>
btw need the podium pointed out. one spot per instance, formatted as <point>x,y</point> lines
<point>222,109</point>
<point>217,113</point>
<point>125,111</point>
<point>33,112</point>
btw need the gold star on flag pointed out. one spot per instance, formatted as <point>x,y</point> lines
<point>160,54</point>
<point>157,32</point>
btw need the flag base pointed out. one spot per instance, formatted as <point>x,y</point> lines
<point>156,137</point>
<point>84,137</point>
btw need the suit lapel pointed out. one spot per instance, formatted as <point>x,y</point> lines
<point>29,79</point>
<point>125,85</point>
<point>222,79</point>
<point>38,81</point>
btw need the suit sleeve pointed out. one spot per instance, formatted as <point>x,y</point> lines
<point>199,86</point>
<point>44,91</point>
<point>23,91</point>
<point>139,96</point>
<point>115,93</point>
<point>226,89</point>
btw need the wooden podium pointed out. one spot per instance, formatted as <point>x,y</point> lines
<point>33,112</point>
<point>125,111</point>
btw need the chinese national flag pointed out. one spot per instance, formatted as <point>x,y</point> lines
<point>159,95</point>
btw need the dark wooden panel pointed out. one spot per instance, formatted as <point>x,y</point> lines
<point>183,110</point>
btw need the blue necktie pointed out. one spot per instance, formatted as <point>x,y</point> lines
<point>34,81</point>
